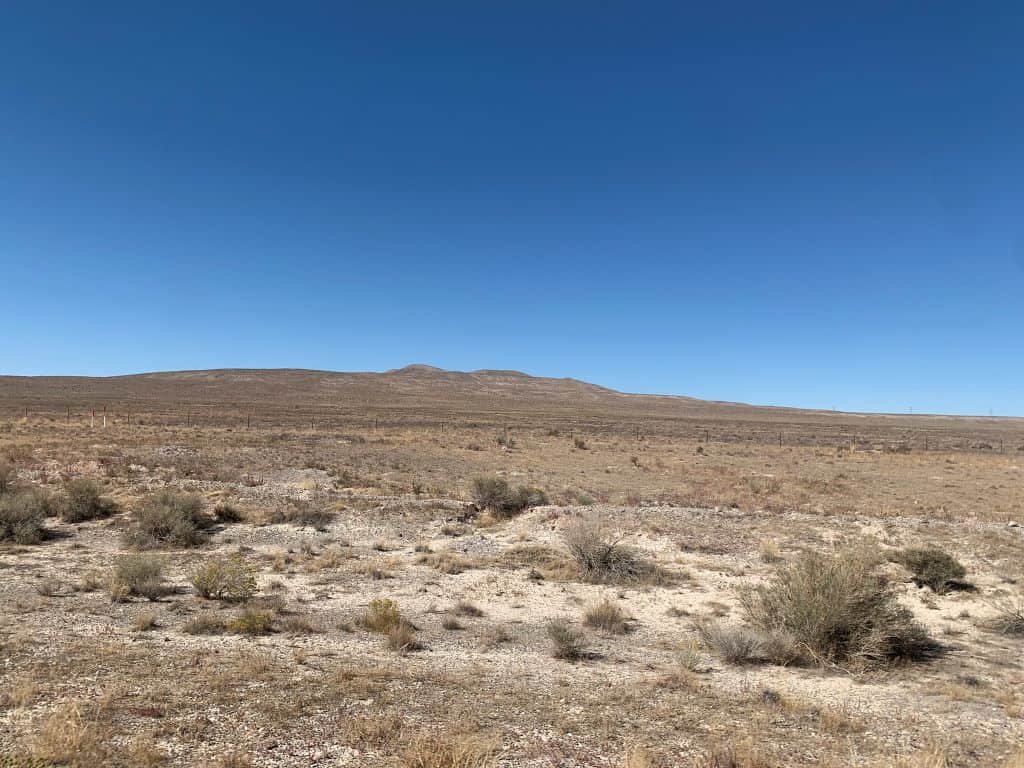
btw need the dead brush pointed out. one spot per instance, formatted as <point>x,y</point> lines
<point>607,616</point>
<point>72,736</point>
<point>138,575</point>
<point>603,559</point>
<point>567,642</point>
<point>450,750</point>
<point>447,561</point>
<point>225,578</point>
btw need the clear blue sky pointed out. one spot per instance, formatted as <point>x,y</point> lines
<point>814,204</point>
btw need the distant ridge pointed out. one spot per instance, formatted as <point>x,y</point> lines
<point>413,386</point>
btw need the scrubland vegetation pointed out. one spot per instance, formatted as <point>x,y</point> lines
<point>554,596</point>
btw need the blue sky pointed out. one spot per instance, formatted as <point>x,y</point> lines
<point>812,204</point>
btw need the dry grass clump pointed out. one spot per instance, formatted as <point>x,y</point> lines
<point>602,559</point>
<point>447,561</point>
<point>607,616</point>
<point>205,624</point>
<point>300,513</point>
<point>1010,620</point>
<point>544,562</point>
<point>432,750</point>
<point>22,513</point>
<point>226,513</point>
<point>567,642</point>
<point>168,519</point>
<point>744,645</point>
<point>934,568</point>
<point>252,621</point>
<point>495,495</point>
<point>69,736</point>
<point>381,616</point>
<point>743,755</point>
<point>138,575</point>
<point>402,638</point>
<point>82,501</point>
<point>838,611</point>
<point>225,578</point>
<point>466,608</point>
<point>768,549</point>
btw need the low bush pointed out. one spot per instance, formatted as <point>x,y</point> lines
<point>838,611</point>
<point>934,568</point>
<point>745,645</point>
<point>82,501</point>
<point>168,519</point>
<point>205,624</point>
<point>567,642</point>
<point>22,513</point>
<point>602,559</point>
<point>302,514</point>
<point>252,621</point>
<point>225,578</point>
<point>402,638</point>
<point>495,494</point>
<point>225,513</point>
<point>138,575</point>
<point>608,616</point>
<point>381,616</point>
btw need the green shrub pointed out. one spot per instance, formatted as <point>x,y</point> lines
<point>838,611</point>
<point>22,514</point>
<point>168,519</point>
<point>82,501</point>
<point>138,575</point>
<point>225,578</point>
<point>495,494</point>
<point>934,568</point>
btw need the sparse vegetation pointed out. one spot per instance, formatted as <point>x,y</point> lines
<point>381,616</point>
<point>168,519</point>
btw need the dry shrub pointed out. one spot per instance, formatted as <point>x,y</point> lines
<point>373,730</point>
<point>381,616</point>
<point>138,575</point>
<point>545,562</point>
<point>168,519</point>
<point>744,645</point>
<point>495,494</point>
<point>743,755</point>
<point>602,559</point>
<point>205,624</point>
<point>144,622</point>
<point>252,621</point>
<point>301,513</point>
<point>567,642</point>
<point>466,608</point>
<point>934,568</point>
<point>608,616</point>
<point>432,750</point>
<point>448,562</point>
<point>402,638</point>
<point>22,513</point>
<point>82,501</point>
<point>768,549</point>
<point>838,611</point>
<point>226,513</point>
<point>225,578</point>
<point>69,737</point>
<point>1010,620</point>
